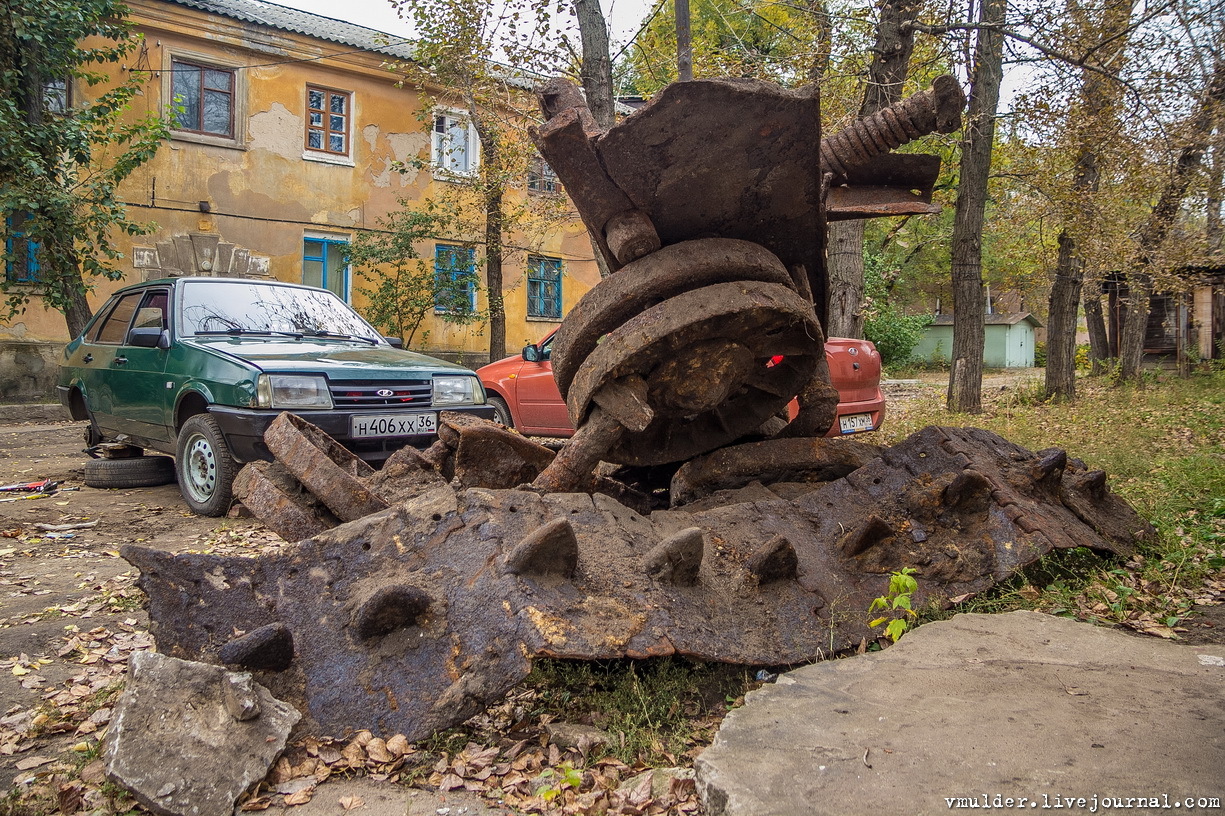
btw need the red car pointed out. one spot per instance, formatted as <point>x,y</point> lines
<point>526,398</point>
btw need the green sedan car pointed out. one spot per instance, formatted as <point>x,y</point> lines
<point>199,367</point>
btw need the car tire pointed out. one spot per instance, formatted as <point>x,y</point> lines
<point>205,467</point>
<point>503,411</point>
<point>139,471</point>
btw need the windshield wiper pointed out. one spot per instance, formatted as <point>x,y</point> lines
<point>339,336</point>
<point>237,332</point>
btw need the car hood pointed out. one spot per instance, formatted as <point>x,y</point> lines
<point>333,357</point>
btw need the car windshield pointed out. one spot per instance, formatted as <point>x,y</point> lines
<point>240,308</point>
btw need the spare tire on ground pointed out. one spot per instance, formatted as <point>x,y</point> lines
<point>138,471</point>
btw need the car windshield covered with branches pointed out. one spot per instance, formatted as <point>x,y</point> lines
<point>198,368</point>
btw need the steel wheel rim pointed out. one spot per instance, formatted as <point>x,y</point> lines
<point>200,469</point>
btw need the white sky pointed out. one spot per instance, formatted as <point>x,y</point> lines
<point>624,16</point>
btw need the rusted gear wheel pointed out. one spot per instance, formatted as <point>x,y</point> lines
<point>651,280</point>
<point>705,357</point>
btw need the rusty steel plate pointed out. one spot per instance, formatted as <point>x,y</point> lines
<point>736,158</point>
<point>705,355</point>
<point>651,280</point>
<point>414,618</point>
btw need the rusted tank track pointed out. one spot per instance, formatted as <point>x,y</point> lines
<point>422,592</point>
<point>413,618</point>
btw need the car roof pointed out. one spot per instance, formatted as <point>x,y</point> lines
<point>211,279</point>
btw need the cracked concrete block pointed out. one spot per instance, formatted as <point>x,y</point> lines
<point>181,746</point>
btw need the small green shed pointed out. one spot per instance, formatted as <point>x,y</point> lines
<point>1009,340</point>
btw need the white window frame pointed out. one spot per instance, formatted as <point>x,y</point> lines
<point>438,149</point>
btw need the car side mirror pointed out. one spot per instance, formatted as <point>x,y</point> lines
<point>531,354</point>
<point>149,337</point>
<point>395,342</point>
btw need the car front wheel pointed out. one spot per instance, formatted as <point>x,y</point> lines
<point>204,466</point>
<point>502,410</point>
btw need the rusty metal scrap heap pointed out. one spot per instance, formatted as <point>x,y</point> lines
<point>420,593</point>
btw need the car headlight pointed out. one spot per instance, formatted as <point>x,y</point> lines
<point>456,391</point>
<point>292,391</point>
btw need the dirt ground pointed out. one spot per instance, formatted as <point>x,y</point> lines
<point>69,611</point>
<point>70,614</point>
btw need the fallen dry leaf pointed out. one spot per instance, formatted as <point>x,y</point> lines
<point>300,798</point>
<point>348,803</point>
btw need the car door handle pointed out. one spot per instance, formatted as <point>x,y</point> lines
<point>119,361</point>
<point>89,358</point>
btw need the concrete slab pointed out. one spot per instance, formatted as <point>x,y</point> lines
<point>960,711</point>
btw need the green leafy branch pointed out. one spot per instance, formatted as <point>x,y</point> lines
<point>896,603</point>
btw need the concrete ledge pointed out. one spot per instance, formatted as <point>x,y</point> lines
<point>963,711</point>
<point>34,412</point>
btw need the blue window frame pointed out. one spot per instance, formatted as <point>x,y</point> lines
<point>325,264</point>
<point>455,272</point>
<point>20,253</point>
<point>544,287</point>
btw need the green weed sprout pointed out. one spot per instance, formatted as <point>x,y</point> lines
<point>901,587</point>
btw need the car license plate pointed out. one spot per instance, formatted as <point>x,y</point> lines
<point>854,423</point>
<point>363,427</point>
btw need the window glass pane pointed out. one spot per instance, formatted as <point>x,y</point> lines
<point>336,143</point>
<point>217,80</point>
<point>316,119</point>
<point>315,99</point>
<point>312,272</point>
<point>116,326</point>
<point>216,113</point>
<point>455,270</point>
<point>336,123</point>
<point>185,87</point>
<point>314,139</point>
<point>457,146</point>
<point>544,287</point>
<point>55,96</point>
<point>335,269</point>
<point>338,103</point>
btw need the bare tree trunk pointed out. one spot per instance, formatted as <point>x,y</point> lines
<point>77,313</point>
<point>1099,340</point>
<point>596,73</point>
<point>966,376</point>
<point>844,293</point>
<point>886,75</point>
<point>1061,321</point>
<point>684,44</point>
<point>1216,177</point>
<point>824,46</point>
<point>596,68</point>
<point>1157,227</point>
<point>492,192</point>
<point>1100,96</point>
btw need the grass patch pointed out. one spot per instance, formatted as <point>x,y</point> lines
<point>656,710</point>
<point>1162,445</point>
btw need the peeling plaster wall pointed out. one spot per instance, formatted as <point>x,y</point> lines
<point>266,194</point>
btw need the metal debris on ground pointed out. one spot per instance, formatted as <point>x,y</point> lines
<point>715,528</point>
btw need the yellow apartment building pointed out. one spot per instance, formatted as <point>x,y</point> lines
<point>287,142</point>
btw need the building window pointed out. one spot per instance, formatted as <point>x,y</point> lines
<point>544,287</point>
<point>20,253</point>
<point>455,275</point>
<point>327,120</point>
<point>541,178</point>
<point>203,98</point>
<point>325,264</point>
<point>55,96</point>
<point>454,147</point>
